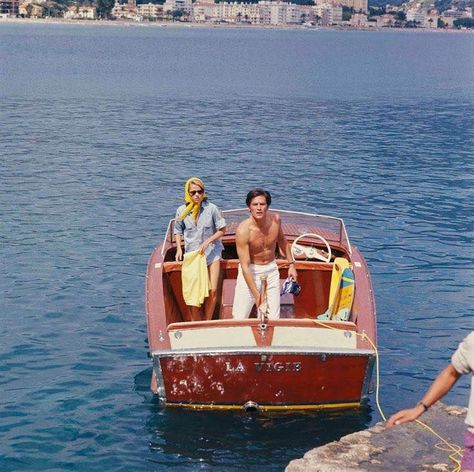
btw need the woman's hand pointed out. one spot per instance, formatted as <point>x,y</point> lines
<point>204,246</point>
<point>179,254</point>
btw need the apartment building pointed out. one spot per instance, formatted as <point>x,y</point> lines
<point>328,14</point>
<point>9,7</point>
<point>150,10</point>
<point>81,12</point>
<point>185,6</point>
<point>282,13</point>
<point>30,10</point>
<point>127,10</point>
<point>204,10</point>
<point>359,6</point>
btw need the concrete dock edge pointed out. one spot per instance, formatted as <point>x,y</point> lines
<point>408,447</point>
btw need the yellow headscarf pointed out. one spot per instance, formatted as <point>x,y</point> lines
<point>191,207</point>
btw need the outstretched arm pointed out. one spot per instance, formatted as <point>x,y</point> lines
<point>439,388</point>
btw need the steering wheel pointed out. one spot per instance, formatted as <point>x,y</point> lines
<point>310,252</point>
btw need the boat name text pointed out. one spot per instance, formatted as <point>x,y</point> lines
<point>278,366</point>
<point>266,367</point>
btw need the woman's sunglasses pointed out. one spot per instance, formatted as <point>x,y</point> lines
<point>195,192</point>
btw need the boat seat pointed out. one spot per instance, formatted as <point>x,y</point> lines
<point>313,276</point>
<point>228,290</point>
<point>287,303</point>
<point>227,300</point>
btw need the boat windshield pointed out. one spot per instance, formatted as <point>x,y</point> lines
<point>294,224</point>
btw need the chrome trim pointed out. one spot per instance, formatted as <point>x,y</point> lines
<point>262,350</point>
<point>368,377</point>
<point>289,212</point>
<point>166,235</point>
<point>159,380</point>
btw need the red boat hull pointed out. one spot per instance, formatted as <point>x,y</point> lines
<point>289,379</point>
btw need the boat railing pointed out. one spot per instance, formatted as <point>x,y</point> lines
<point>168,235</point>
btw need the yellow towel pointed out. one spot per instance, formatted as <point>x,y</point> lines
<point>340,263</point>
<point>195,278</point>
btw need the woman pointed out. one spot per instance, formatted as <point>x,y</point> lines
<point>202,226</point>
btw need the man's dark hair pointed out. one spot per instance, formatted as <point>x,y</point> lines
<point>258,192</point>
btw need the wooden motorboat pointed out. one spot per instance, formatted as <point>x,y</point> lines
<point>299,361</point>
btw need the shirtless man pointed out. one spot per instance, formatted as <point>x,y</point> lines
<point>256,240</point>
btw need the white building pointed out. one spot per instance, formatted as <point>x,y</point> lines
<point>417,15</point>
<point>328,13</point>
<point>385,21</point>
<point>204,10</point>
<point>238,13</point>
<point>359,6</point>
<point>185,6</point>
<point>283,13</point>
<point>450,16</point>
<point>126,10</point>
<point>262,13</point>
<point>81,12</point>
<point>150,10</point>
<point>359,20</point>
<point>30,10</point>
<point>457,14</point>
<point>278,13</point>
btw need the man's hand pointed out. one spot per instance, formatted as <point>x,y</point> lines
<point>405,416</point>
<point>292,272</point>
<point>179,254</point>
<point>258,299</point>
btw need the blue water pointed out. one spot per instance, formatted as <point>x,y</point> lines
<point>101,126</point>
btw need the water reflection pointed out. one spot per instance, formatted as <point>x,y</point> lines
<point>236,440</point>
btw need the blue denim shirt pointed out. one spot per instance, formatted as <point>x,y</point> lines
<point>195,233</point>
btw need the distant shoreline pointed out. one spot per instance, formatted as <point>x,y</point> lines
<point>178,24</point>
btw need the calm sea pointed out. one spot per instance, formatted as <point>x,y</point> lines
<point>101,126</point>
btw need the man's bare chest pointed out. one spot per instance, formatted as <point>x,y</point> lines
<point>262,241</point>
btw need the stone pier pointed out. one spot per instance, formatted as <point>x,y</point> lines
<point>408,447</point>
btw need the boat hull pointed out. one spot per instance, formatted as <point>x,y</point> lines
<point>268,379</point>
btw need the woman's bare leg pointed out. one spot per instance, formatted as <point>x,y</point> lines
<point>210,302</point>
<point>194,313</point>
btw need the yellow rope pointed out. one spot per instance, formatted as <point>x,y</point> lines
<point>453,448</point>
